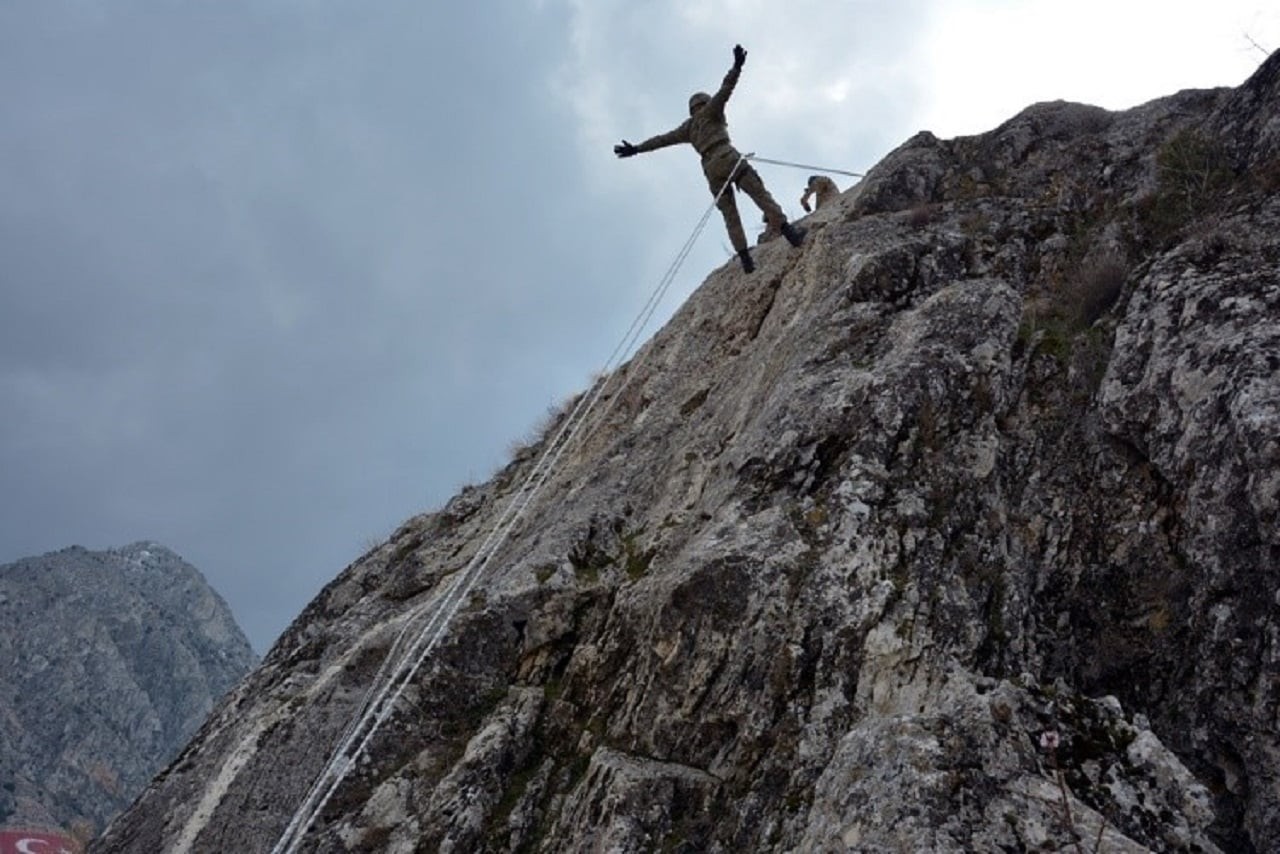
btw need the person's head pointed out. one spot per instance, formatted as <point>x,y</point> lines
<point>814,181</point>
<point>697,101</point>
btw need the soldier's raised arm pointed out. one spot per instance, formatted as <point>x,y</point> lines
<point>721,97</point>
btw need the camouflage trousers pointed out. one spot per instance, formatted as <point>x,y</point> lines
<point>718,167</point>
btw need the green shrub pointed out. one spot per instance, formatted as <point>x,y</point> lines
<point>1193,175</point>
<point>1078,301</point>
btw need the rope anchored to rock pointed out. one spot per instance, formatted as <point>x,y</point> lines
<point>826,169</point>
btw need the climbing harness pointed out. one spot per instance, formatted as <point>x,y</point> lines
<point>392,679</point>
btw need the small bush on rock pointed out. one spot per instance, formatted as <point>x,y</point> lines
<point>1193,175</point>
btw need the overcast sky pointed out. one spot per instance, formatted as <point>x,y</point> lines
<point>276,275</point>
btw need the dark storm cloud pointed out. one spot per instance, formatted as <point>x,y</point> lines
<point>275,275</point>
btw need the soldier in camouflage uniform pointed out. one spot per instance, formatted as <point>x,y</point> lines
<point>708,132</point>
<point>823,188</point>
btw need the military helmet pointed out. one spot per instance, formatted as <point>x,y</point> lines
<point>697,100</point>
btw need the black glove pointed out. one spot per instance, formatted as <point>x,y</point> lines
<point>626,149</point>
<point>739,56</point>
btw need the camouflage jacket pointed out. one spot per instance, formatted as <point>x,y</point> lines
<point>707,130</point>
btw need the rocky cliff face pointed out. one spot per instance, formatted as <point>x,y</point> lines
<point>956,530</point>
<point>109,662</point>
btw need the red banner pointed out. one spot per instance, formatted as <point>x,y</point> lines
<point>37,842</point>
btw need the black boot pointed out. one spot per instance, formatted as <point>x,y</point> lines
<point>747,263</point>
<point>795,236</point>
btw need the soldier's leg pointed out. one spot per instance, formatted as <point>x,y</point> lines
<point>732,222</point>
<point>719,172</point>
<point>748,180</point>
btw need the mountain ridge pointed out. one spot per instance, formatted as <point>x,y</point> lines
<point>112,659</point>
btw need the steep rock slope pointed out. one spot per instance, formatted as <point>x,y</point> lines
<point>955,530</point>
<point>110,661</point>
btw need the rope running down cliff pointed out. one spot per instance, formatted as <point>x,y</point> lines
<point>381,699</point>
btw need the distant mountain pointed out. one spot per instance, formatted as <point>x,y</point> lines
<point>110,661</point>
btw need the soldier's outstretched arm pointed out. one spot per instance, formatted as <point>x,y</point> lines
<point>721,97</point>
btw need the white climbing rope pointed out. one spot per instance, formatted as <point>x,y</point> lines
<point>382,698</point>
<point>755,159</point>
